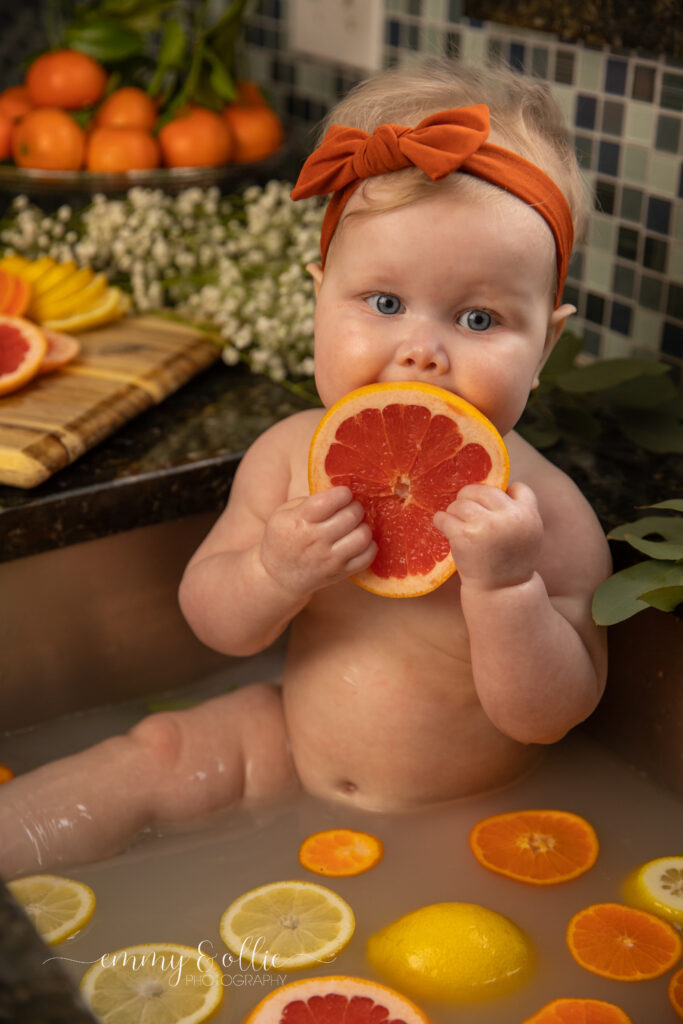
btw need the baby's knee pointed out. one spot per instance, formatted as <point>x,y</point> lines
<point>160,738</point>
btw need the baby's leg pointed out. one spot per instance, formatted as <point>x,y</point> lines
<point>171,767</point>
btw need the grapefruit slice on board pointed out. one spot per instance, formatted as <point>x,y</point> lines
<point>22,348</point>
<point>405,449</point>
<point>61,349</point>
<point>335,1000</point>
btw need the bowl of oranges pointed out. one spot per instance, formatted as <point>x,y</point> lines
<point>70,125</point>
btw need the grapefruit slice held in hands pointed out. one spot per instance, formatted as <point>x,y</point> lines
<point>405,450</point>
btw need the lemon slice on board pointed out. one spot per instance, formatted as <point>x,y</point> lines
<point>657,886</point>
<point>287,926</point>
<point>159,982</point>
<point>57,907</point>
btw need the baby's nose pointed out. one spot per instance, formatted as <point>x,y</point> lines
<point>424,354</point>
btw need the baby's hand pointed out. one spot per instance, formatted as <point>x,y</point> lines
<point>495,536</point>
<point>311,542</point>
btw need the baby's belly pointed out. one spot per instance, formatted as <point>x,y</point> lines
<point>394,733</point>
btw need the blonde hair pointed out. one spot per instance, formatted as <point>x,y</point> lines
<point>524,118</point>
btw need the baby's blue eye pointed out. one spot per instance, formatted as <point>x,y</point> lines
<point>388,305</point>
<point>476,320</point>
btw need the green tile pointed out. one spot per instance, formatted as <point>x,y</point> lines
<point>602,235</point>
<point>672,92</point>
<point>565,96</point>
<point>678,224</point>
<point>314,78</point>
<point>663,173</point>
<point>393,6</point>
<point>591,72</point>
<point>646,328</point>
<point>651,291</point>
<point>624,280</point>
<point>614,346</point>
<point>432,40</point>
<point>676,263</point>
<point>473,45</point>
<point>634,164</point>
<point>668,133</point>
<point>435,9</point>
<point>640,123</point>
<point>597,271</point>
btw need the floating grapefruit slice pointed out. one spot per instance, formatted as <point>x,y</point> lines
<point>61,349</point>
<point>335,1000</point>
<point>22,348</point>
<point>405,450</point>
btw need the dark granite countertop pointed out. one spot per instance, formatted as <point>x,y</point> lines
<point>173,460</point>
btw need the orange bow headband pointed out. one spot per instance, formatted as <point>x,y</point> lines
<point>452,140</point>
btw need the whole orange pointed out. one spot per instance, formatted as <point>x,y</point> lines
<point>65,78</point>
<point>15,102</point>
<point>196,137</point>
<point>49,139</point>
<point>121,149</point>
<point>5,137</point>
<point>128,107</point>
<point>257,131</point>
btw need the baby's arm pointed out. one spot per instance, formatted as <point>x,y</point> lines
<point>270,551</point>
<point>538,660</point>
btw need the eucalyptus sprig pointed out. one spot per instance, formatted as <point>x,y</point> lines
<point>657,581</point>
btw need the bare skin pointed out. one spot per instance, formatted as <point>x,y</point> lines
<point>385,704</point>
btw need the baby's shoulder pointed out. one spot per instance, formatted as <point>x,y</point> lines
<point>287,437</point>
<point>550,484</point>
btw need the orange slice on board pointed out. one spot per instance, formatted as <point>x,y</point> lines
<point>61,349</point>
<point>22,348</point>
<point>539,847</point>
<point>623,943</point>
<point>335,1000</point>
<point>340,852</point>
<point>405,450</point>
<point>676,992</point>
<point>579,1011</point>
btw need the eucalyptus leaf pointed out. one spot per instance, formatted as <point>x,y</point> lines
<point>656,432</point>
<point>670,528</point>
<point>666,599</point>
<point>607,373</point>
<point>662,549</point>
<point>673,503</point>
<point>619,597</point>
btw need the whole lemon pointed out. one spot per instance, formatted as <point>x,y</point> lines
<point>452,951</point>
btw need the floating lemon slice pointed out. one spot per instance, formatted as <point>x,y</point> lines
<point>286,926</point>
<point>657,886</point>
<point>58,907</point>
<point>163,982</point>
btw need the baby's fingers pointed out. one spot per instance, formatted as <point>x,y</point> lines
<point>321,506</point>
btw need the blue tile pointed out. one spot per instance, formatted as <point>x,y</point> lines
<point>651,293</point>
<point>608,158</point>
<point>627,244</point>
<point>674,302</point>
<point>620,319</point>
<point>393,33</point>
<point>604,196</point>
<point>586,109</point>
<point>656,253</point>
<point>583,147</point>
<point>672,340</point>
<point>595,308</point>
<point>615,76</point>
<point>591,342</point>
<point>516,58</point>
<point>412,37</point>
<point>658,215</point>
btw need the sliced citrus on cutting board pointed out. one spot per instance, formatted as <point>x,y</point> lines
<point>57,907</point>
<point>61,349</point>
<point>405,450</point>
<point>335,1000</point>
<point>539,847</point>
<point>287,926</point>
<point>657,886</point>
<point>579,1011</point>
<point>22,349</point>
<point>452,952</point>
<point>623,943</point>
<point>675,991</point>
<point>163,982</point>
<point>340,852</point>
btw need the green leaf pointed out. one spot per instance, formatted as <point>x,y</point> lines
<point>673,503</point>
<point>666,599</point>
<point>620,596</point>
<point>221,80</point>
<point>670,528</point>
<point>662,549</point>
<point>105,41</point>
<point>607,373</point>
<point>643,392</point>
<point>173,44</point>
<point>563,355</point>
<point>540,435</point>
<point>656,432</point>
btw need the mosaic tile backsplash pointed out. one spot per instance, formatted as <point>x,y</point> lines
<point>625,111</point>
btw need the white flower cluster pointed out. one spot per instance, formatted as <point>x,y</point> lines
<point>232,264</point>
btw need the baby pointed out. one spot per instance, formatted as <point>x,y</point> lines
<point>444,251</point>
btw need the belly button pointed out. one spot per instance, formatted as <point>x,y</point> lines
<point>347,786</point>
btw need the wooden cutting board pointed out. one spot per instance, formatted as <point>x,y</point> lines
<point>122,369</point>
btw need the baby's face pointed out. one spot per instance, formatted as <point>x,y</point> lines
<point>454,293</point>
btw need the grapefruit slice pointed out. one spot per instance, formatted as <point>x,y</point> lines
<point>335,1000</point>
<point>405,450</point>
<point>22,348</point>
<point>61,349</point>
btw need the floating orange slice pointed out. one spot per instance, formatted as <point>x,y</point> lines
<point>5,774</point>
<point>579,1011</point>
<point>335,1000</point>
<point>623,943</point>
<point>539,847</point>
<point>676,992</point>
<point>405,450</point>
<point>339,852</point>
<point>22,348</point>
<point>61,349</point>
